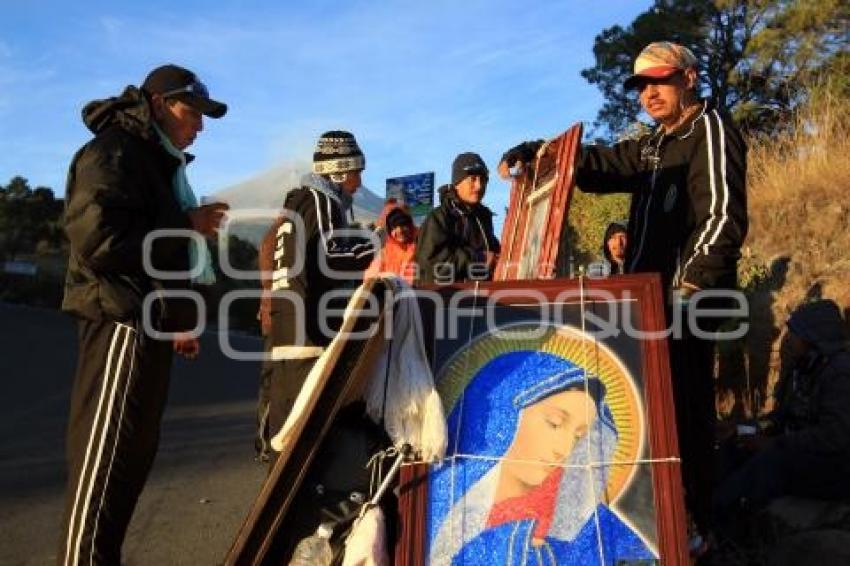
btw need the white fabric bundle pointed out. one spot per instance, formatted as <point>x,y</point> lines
<point>315,382</point>
<point>367,543</point>
<point>409,403</point>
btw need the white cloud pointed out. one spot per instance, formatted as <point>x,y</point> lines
<point>112,26</point>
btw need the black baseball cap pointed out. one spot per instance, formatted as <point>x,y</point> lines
<point>467,164</point>
<point>171,81</point>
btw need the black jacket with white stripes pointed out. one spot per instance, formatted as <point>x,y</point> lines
<point>688,215</point>
<point>316,255</point>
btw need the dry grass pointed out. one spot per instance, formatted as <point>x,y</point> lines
<point>798,190</point>
<point>799,239</point>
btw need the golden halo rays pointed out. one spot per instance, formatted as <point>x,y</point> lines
<point>570,343</point>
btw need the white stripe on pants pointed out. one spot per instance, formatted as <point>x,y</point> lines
<point>99,428</point>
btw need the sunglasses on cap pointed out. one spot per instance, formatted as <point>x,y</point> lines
<point>196,88</point>
<point>642,82</point>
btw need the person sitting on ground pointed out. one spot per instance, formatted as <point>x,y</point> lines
<point>614,246</point>
<point>397,255</point>
<point>803,447</point>
<point>456,241</point>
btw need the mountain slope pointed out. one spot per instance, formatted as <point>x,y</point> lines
<point>266,192</point>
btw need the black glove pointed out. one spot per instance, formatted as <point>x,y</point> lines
<point>523,153</point>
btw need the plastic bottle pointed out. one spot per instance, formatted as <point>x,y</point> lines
<point>314,550</point>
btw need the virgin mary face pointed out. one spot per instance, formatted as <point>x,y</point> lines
<point>545,436</point>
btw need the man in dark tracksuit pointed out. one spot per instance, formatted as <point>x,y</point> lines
<point>121,188</point>
<point>687,221</point>
<point>317,253</point>
<point>804,445</point>
<point>456,241</point>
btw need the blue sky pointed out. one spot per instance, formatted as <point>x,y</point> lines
<point>417,82</point>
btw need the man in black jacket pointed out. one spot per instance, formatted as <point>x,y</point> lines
<point>687,221</point>
<point>456,242</point>
<point>121,189</point>
<point>688,214</point>
<point>318,255</point>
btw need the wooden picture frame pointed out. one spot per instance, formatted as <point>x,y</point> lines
<point>337,378</point>
<point>537,211</point>
<point>649,500</point>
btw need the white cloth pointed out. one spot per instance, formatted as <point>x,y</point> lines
<point>367,543</point>
<point>315,381</point>
<point>409,404</point>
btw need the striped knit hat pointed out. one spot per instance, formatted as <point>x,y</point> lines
<point>659,60</point>
<point>337,152</point>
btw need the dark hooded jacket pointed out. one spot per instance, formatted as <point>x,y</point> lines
<point>813,401</point>
<point>688,215</point>
<point>454,234</point>
<point>319,258</point>
<point>613,228</point>
<point>119,190</point>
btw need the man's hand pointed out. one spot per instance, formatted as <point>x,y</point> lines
<point>689,289</point>
<point>187,346</point>
<point>264,314</point>
<point>206,219</point>
<point>682,295</point>
<point>521,154</point>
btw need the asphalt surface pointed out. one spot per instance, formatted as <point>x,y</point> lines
<point>204,478</point>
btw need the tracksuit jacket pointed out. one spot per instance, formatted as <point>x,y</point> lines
<point>688,216</point>
<point>119,190</point>
<point>687,221</point>
<point>315,252</point>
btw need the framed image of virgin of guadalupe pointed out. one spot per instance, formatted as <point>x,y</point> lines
<point>562,445</point>
<point>537,210</point>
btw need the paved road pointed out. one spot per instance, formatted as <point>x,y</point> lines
<point>204,478</point>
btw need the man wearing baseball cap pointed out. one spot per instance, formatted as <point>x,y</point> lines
<point>176,83</point>
<point>126,183</point>
<point>687,221</point>
<point>456,241</point>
